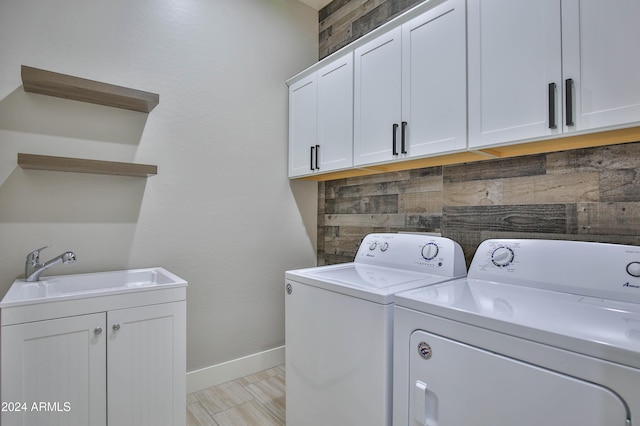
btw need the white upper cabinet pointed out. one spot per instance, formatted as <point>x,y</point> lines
<point>551,67</point>
<point>335,115</point>
<point>434,81</point>
<point>321,119</point>
<point>378,99</point>
<point>601,54</point>
<point>410,88</point>
<point>463,76</point>
<point>514,57</point>
<point>303,125</point>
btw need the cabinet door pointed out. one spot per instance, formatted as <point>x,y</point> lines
<point>335,115</point>
<point>56,371</point>
<point>514,53</point>
<point>303,125</point>
<point>147,365</point>
<point>434,80</point>
<point>377,99</point>
<point>600,54</point>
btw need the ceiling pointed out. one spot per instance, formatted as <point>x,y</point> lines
<point>316,4</point>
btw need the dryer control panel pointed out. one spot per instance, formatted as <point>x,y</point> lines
<point>592,269</point>
<point>414,252</point>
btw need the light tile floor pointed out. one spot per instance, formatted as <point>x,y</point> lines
<point>254,400</point>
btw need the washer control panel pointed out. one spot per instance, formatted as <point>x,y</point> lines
<point>423,253</point>
<point>585,268</point>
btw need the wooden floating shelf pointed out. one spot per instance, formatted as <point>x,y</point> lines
<point>66,86</point>
<point>79,165</point>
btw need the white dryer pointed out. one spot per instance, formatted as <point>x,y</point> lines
<point>339,327</point>
<point>539,333</point>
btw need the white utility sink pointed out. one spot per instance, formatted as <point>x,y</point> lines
<point>77,286</point>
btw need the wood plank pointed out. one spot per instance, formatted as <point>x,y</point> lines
<point>550,218</point>
<point>543,189</point>
<point>79,165</point>
<point>529,165</point>
<point>427,202</point>
<point>550,189</point>
<point>425,222</point>
<point>383,177</point>
<point>428,183</point>
<point>366,220</point>
<point>620,185</point>
<point>609,218</point>
<point>66,86</point>
<point>622,156</point>
<point>473,193</point>
<point>363,204</point>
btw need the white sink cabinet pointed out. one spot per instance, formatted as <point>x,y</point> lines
<point>108,358</point>
<point>541,69</point>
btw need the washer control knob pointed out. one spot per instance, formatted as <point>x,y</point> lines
<point>430,251</point>
<point>373,245</point>
<point>633,269</point>
<point>502,257</point>
<point>384,246</point>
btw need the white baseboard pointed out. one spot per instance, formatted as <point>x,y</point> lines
<point>234,369</point>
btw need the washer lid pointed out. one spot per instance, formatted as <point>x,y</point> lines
<point>602,328</point>
<point>374,283</point>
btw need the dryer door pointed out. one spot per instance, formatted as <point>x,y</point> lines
<point>453,384</point>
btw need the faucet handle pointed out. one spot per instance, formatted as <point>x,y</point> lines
<point>34,256</point>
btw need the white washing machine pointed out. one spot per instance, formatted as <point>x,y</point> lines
<point>339,327</point>
<point>539,333</point>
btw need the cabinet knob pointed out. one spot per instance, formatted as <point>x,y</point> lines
<point>116,327</point>
<point>97,330</point>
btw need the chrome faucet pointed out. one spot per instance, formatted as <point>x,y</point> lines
<point>33,268</point>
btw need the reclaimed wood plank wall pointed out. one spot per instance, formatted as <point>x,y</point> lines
<point>587,194</point>
<point>342,21</point>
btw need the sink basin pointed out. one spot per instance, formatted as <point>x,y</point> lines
<point>83,285</point>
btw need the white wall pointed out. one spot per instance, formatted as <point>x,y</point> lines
<point>221,212</point>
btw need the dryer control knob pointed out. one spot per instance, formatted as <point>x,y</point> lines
<point>430,251</point>
<point>384,246</point>
<point>373,245</point>
<point>633,269</point>
<point>502,257</point>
